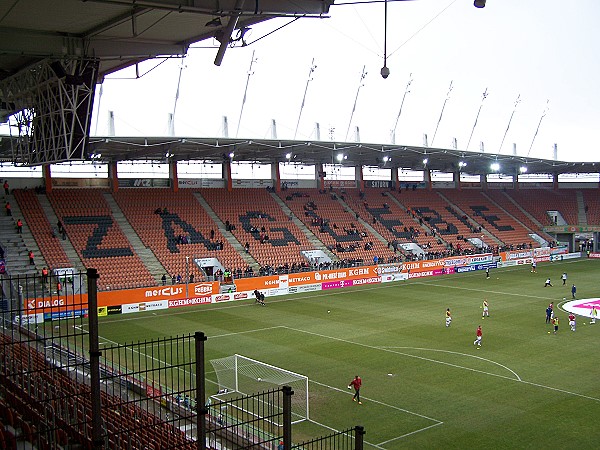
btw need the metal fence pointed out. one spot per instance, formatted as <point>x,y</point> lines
<point>59,386</point>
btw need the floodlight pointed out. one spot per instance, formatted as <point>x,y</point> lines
<point>288,156</point>
<point>523,169</point>
<point>425,161</point>
<point>340,157</point>
<point>495,167</point>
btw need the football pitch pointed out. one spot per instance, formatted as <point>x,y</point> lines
<point>425,385</point>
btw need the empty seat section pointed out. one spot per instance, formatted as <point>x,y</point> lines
<point>539,201</point>
<point>98,239</point>
<point>490,217</point>
<point>591,200</point>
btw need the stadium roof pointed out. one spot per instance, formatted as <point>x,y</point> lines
<point>326,152</point>
<point>123,32</point>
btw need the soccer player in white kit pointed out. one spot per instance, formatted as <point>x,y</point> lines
<point>486,312</point>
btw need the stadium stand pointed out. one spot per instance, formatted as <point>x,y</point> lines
<point>490,217</point>
<point>42,231</point>
<point>591,200</point>
<point>181,219</point>
<point>337,226</point>
<point>436,211</point>
<point>539,201</point>
<point>98,240</point>
<point>393,221</point>
<point>256,215</point>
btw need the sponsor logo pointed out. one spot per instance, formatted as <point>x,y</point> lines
<point>203,289</point>
<point>32,304</point>
<point>271,282</point>
<point>427,273</point>
<point>367,281</point>
<point>387,269</point>
<point>293,290</point>
<point>142,307</point>
<point>360,271</point>
<point>594,255</point>
<point>189,302</point>
<point>130,308</point>
<point>221,298</point>
<point>240,295</point>
<point>167,291</point>
<point>299,279</point>
<point>114,310</point>
<point>465,269</point>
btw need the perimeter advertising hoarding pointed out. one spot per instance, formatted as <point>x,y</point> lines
<point>142,296</point>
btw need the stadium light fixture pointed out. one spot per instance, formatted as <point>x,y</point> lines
<point>462,164</point>
<point>479,3</point>
<point>231,155</point>
<point>523,169</point>
<point>425,161</point>
<point>288,156</point>
<point>340,157</point>
<point>386,159</point>
<point>495,167</point>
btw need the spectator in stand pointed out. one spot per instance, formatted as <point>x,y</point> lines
<point>6,189</point>
<point>178,279</point>
<point>164,279</point>
<point>173,279</point>
<point>20,226</point>
<point>58,286</point>
<point>44,275</point>
<point>59,226</point>
<point>31,263</point>
<point>8,209</point>
<point>191,277</point>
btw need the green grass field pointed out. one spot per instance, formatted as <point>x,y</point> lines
<point>424,385</point>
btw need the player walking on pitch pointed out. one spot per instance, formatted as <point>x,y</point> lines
<point>356,384</point>
<point>572,321</point>
<point>555,322</point>
<point>478,336</point>
<point>486,312</point>
<point>448,317</point>
<point>594,314</point>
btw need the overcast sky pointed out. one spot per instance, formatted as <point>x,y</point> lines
<point>545,51</point>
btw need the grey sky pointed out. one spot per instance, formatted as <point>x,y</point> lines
<point>539,49</point>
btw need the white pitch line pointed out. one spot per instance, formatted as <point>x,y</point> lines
<point>409,434</point>
<point>564,391</point>
<point>457,353</point>
<point>445,286</point>
<point>337,431</point>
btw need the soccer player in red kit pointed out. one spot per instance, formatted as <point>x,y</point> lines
<point>572,321</point>
<point>356,384</point>
<point>478,337</point>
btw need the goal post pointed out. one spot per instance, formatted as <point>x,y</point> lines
<point>246,376</point>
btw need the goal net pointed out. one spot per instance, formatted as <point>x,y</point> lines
<point>244,375</point>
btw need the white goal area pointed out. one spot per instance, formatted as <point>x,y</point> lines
<point>247,376</point>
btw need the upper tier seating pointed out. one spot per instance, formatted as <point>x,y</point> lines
<point>248,209</point>
<point>98,240</point>
<point>184,217</point>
